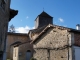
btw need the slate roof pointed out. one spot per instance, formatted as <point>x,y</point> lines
<point>23,34</point>
<point>13,13</point>
<point>17,43</point>
<point>52,26</point>
<point>44,14</point>
<point>38,30</point>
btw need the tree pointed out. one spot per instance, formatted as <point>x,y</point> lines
<point>12,29</point>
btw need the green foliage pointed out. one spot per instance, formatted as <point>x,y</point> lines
<point>32,58</point>
<point>8,59</point>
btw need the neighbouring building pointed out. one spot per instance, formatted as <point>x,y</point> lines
<point>6,14</point>
<point>53,43</point>
<point>18,45</point>
<point>46,42</point>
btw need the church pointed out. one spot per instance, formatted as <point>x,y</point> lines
<point>46,42</point>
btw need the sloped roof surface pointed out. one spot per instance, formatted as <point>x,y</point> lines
<point>13,13</point>
<point>60,27</point>
<point>22,34</point>
<point>45,14</point>
<point>16,43</point>
<point>38,30</point>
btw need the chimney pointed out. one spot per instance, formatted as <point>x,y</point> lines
<point>78,26</point>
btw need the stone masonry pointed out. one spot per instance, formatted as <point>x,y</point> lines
<point>4,19</point>
<point>4,12</point>
<point>21,49</point>
<point>52,45</point>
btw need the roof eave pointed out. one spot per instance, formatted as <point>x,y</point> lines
<point>13,13</point>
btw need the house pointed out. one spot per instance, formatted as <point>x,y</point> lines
<point>46,42</point>
<point>56,42</point>
<point>53,42</point>
<point>6,14</point>
<point>15,52</point>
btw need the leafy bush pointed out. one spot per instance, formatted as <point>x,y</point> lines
<point>32,58</point>
<point>8,59</point>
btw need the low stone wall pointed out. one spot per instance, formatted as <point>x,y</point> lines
<point>49,54</point>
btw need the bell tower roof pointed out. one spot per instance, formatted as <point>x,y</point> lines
<point>44,14</point>
<point>43,19</point>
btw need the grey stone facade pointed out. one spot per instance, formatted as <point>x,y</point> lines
<point>54,44</point>
<point>5,16</point>
<point>4,19</point>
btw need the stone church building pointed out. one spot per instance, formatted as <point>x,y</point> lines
<point>46,42</point>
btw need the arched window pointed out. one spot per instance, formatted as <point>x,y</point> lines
<point>28,55</point>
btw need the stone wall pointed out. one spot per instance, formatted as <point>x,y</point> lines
<point>52,45</point>
<point>40,54</point>
<point>59,54</point>
<point>34,36</point>
<point>23,50</point>
<point>12,38</point>
<point>4,19</point>
<point>55,38</point>
<point>48,54</point>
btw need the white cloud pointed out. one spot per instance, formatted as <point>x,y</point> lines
<point>33,27</point>
<point>23,29</point>
<point>61,20</point>
<point>27,17</point>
